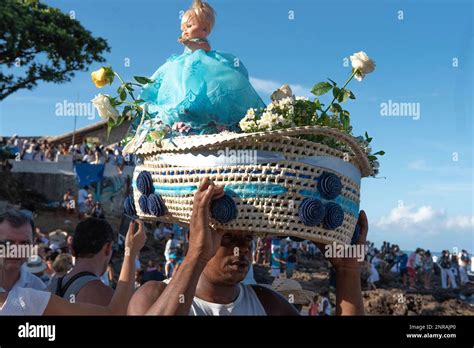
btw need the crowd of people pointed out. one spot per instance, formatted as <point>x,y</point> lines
<point>415,269</point>
<point>282,254</point>
<point>79,268</point>
<point>34,149</point>
<point>82,203</point>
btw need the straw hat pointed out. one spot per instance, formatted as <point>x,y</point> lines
<point>35,264</point>
<point>57,236</point>
<point>292,291</point>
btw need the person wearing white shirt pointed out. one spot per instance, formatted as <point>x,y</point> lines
<point>16,229</point>
<point>27,301</point>
<point>170,246</point>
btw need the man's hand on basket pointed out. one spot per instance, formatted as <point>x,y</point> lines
<point>203,240</point>
<point>350,262</point>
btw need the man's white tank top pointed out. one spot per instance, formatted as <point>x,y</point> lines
<point>246,303</point>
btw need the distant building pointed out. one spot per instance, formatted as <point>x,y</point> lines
<point>95,133</point>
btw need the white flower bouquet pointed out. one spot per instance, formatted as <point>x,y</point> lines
<point>288,111</point>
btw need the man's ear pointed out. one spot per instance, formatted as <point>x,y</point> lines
<point>108,248</point>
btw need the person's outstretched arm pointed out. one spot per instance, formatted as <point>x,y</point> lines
<point>177,297</point>
<point>348,288</point>
<point>125,286</point>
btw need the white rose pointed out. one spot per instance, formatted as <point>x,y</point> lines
<point>104,108</point>
<point>363,64</point>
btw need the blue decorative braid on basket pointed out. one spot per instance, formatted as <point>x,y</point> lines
<point>129,206</point>
<point>145,183</point>
<point>143,203</point>
<point>224,209</point>
<point>329,185</point>
<point>334,216</point>
<point>311,211</point>
<point>156,206</point>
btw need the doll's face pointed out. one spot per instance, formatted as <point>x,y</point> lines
<point>193,29</point>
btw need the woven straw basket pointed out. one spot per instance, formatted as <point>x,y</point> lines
<point>275,183</point>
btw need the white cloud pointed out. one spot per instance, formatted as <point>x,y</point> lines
<point>267,87</point>
<point>407,216</point>
<point>423,219</point>
<point>460,221</point>
<point>423,226</point>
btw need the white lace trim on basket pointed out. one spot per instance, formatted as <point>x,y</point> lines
<point>253,157</point>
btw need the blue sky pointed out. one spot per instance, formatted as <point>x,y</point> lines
<point>426,197</point>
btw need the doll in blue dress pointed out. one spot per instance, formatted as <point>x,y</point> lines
<point>201,90</point>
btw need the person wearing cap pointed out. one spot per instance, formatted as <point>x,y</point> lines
<point>209,280</point>
<point>17,228</point>
<point>36,266</point>
<point>57,238</point>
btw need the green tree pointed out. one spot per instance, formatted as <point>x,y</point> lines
<point>40,43</point>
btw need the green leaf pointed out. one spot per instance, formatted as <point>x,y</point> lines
<point>333,83</point>
<point>343,96</point>
<point>345,122</point>
<point>321,88</point>
<point>110,126</point>
<point>317,104</point>
<point>138,101</point>
<point>129,87</point>
<point>380,153</point>
<point>336,91</point>
<point>119,121</point>
<point>142,80</point>
<point>122,93</point>
<point>367,138</point>
<point>351,95</point>
<point>126,110</point>
<point>372,158</point>
<point>336,107</point>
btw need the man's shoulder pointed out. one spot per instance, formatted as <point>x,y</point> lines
<point>145,296</point>
<point>95,292</point>
<point>273,302</point>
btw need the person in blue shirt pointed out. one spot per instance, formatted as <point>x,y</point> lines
<point>401,261</point>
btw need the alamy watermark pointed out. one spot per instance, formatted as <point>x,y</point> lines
<point>37,331</point>
<point>17,251</point>
<point>240,156</point>
<point>397,109</point>
<point>68,108</point>
<point>335,250</point>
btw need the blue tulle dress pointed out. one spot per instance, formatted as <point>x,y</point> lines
<point>200,89</point>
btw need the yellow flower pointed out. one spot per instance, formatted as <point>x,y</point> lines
<point>103,76</point>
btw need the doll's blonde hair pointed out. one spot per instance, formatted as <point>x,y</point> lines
<point>202,11</point>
